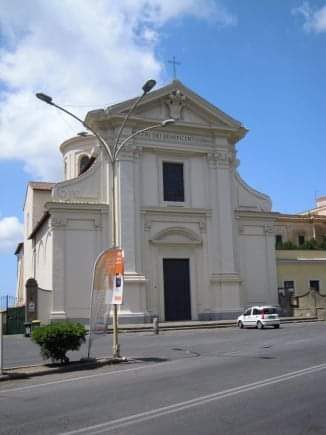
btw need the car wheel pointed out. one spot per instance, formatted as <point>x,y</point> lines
<point>276,326</point>
<point>260,325</point>
<point>240,324</point>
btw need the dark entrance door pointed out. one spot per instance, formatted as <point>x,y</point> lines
<point>176,289</point>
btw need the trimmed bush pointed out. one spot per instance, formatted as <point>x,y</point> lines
<point>56,339</point>
<point>311,244</point>
<point>287,245</point>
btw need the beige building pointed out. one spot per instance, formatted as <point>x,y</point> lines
<point>301,269</point>
<point>198,241</point>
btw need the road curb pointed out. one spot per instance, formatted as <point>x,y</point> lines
<point>47,369</point>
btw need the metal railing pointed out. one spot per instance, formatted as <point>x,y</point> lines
<point>8,301</point>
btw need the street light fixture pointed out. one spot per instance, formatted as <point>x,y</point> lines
<point>113,152</point>
<point>148,86</point>
<point>44,98</point>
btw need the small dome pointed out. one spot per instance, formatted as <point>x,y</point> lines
<point>76,153</point>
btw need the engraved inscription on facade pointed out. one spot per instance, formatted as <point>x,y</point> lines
<point>185,138</point>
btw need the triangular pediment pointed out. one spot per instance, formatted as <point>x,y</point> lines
<point>180,103</point>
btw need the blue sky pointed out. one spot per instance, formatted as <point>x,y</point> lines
<point>261,61</point>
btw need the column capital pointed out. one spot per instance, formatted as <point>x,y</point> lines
<point>218,159</point>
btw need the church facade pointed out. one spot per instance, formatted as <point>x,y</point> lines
<point>198,241</point>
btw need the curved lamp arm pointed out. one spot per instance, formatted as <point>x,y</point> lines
<point>116,143</point>
<point>161,124</point>
<point>48,100</point>
<point>148,86</point>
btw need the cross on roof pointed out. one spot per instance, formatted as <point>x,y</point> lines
<point>174,63</point>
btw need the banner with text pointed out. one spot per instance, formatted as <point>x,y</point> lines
<point>107,287</point>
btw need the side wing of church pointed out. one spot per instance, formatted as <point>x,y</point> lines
<point>198,241</point>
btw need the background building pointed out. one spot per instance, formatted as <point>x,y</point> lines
<point>301,261</point>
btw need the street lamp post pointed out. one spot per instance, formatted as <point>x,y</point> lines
<point>113,150</point>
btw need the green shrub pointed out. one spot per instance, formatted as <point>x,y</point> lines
<point>307,245</point>
<point>288,245</point>
<point>57,339</point>
<point>322,245</point>
<point>310,244</point>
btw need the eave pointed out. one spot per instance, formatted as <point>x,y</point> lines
<point>39,225</point>
<point>19,248</point>
<point>253,214</point>
<point>295,218</point>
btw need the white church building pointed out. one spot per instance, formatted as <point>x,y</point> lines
<point>198,241</point>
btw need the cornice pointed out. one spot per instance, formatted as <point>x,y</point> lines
<point>53,206</point>
<point>176,211</point>
<point>248,214</point>
<point>234,134</point>
<point>77,140</point>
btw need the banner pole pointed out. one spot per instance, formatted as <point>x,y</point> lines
<point>91,306</point>
<point>90,327</point>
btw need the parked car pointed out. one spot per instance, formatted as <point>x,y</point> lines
<point>259,317</point>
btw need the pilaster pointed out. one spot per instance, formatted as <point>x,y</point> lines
<point>271,271</point>
<point>128,209</point>
<point>225,212</point>
<point>57,310</point>
<point>219,164</point>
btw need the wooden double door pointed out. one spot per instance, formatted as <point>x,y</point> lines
<point>177,300</point>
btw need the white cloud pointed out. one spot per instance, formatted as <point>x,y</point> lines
<point>314,20</point>
<point>82,53</point>
<point>11,232</point>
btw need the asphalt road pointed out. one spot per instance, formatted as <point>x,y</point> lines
<point>223,381</point>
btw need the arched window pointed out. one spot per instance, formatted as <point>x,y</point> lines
<point>83,163</point>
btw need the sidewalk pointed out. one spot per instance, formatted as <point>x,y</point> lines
<point>46,369</point>
<point>198,324</point>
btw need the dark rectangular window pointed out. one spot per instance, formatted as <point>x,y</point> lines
<point>314,285</point>
<point>289,285</point>
<point>269,310</point>
<point>301,240</point>
<point>173,186</point>
<point>278,241</point>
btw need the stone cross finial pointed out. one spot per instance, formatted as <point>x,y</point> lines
<point>174,63</point>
